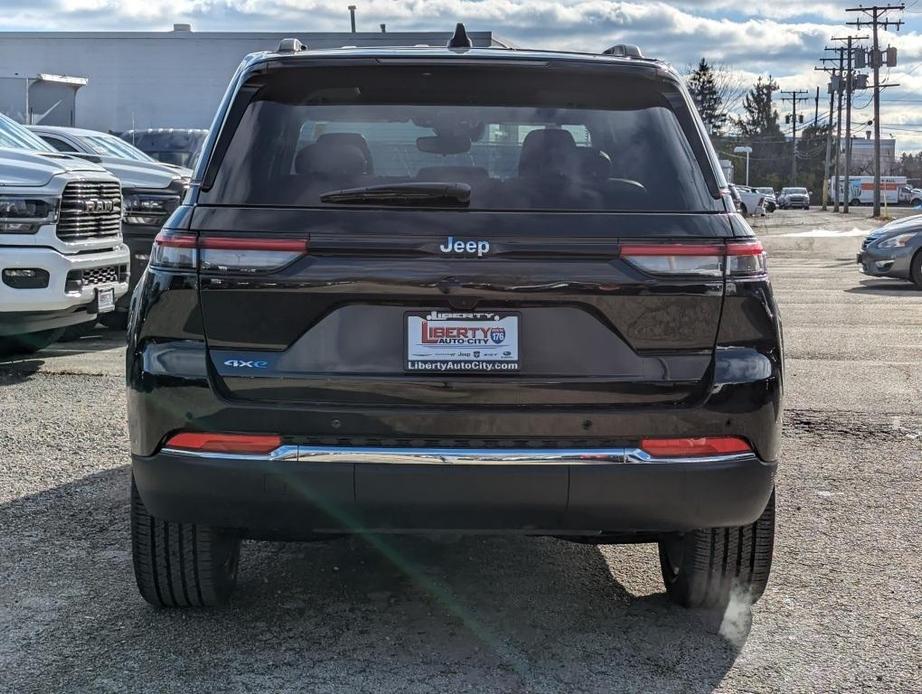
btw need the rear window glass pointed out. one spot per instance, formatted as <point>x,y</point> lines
<point>522,139</point>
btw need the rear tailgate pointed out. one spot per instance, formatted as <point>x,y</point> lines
<point>331,325</point>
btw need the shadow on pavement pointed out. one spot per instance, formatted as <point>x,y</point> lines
<point>16,368</point>
<point>886,288</point>
<point>411,614</point>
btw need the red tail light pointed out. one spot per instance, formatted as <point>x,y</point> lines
<point>733,259</point>
<point>178,250</point>
<point>689,448</point>
<point>174,250</point>
<point>231,253</point>
<point>745,259</point>
<point>225,443</point>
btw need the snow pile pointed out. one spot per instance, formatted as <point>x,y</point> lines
<point>829,233</point>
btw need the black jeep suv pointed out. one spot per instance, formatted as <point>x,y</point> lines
<point>455,290</point>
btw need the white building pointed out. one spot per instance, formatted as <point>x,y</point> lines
<point>121,80</point>
<point>862,162</point>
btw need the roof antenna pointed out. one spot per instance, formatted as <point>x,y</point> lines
<point>460,39</point>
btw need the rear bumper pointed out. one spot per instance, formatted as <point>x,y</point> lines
<point>534,492</point>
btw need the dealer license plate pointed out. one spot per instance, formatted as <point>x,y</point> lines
<point>105,300</point>
<point>475,342</point>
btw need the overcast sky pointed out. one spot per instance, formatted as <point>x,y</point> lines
<point>781,37</point>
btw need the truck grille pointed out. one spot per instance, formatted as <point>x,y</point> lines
<point>90,209</point>
<point>101,275</point>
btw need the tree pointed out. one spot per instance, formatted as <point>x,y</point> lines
<point>761,118</point>
<point>811,158</point>
<point>911,166</point>
<point>702,85</point>
<point>759,128</point>
<point>717,90</point>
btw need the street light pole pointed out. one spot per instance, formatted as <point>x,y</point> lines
<point>747,151</point>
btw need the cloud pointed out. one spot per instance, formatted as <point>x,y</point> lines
<point>784,38</point>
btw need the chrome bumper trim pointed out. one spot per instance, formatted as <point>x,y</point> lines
<point>280,453</point>
<point>461,456</point>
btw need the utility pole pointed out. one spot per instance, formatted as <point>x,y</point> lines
<point>837,85</point>
<point>877,15</point>
<point>795,96</point>
<point>816,109</point>
<point>352,17</point>
<point>833,87</point>
<point>849,88</point>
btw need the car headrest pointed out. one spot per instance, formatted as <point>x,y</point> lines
<point>331,161</point>
<point>594,164</point>
<point>352,140</point>
<point>548,151</point>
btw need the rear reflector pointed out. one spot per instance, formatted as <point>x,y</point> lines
<point>745,258</point>
<point>225,443</point>
<point>184,251</point>
<point>689,448</point>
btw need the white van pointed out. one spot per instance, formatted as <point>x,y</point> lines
<point>894,190</point>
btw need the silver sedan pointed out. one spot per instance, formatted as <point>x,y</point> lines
<point>894,250</point>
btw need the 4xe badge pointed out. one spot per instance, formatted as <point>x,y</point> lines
<point>246,363</point>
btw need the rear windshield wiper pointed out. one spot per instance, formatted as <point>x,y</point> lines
<point>402,194</point>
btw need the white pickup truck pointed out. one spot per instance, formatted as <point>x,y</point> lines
<point>750,202</point>
<point>62,260</point>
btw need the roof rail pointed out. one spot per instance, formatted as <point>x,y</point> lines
<point>460,39</point>
<point>291,46</point>
<point>624,50</point>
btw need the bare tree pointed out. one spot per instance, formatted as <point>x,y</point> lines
<point>730,87</point>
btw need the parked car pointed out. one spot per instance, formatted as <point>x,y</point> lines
<point>62,260</point>
<point>151,191</point>
<point>748,201</point>
<point>769,198</point>
<point>794,197</point>
<point>179,146</point>
<point>480,297</point>
<point>894,250</point>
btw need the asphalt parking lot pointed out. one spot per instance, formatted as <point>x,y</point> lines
<point>843,609</point>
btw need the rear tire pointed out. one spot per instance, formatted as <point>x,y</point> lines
<point>915,269</point>
<point>704,568</point>
<point>743,209</point>
<point>30,343</point>
<point>854,203</point>
<point>181,564</point>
